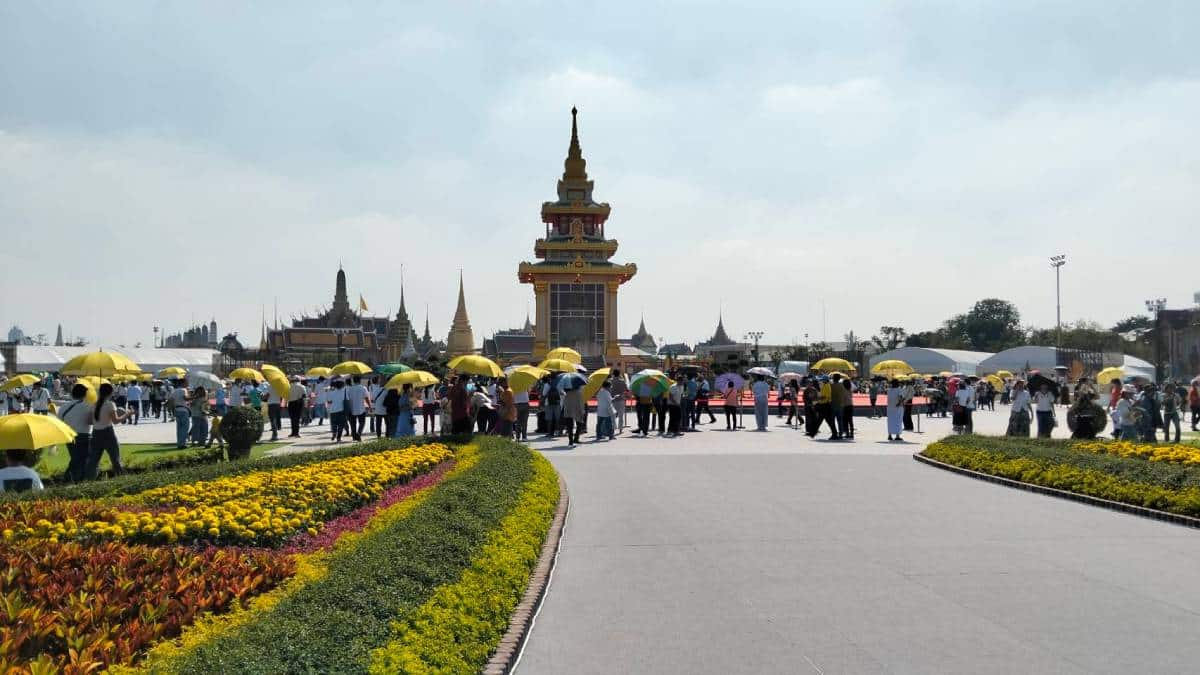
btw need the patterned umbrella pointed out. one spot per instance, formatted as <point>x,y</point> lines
<point>724,379</point>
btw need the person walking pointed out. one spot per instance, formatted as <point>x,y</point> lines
<point>895,410</point>
<point>847,411</point>
<point>335,402</point>
<point>825,407</point>
<point>674,408</point>
<point>1019,417</point>
<point>837,401</point>
<point>429,410</point>
<point>812,397</point>
<point>964,409</point>
<point>793,392</point>
<point>133,398</point>
<point>1171,403</point>
<point>1043,403</point>
<point>691,389</point>
<point>604,411</point>
<point>358,400</point>
<point>321,407</point>
<point>1123,415</point>
<point>377,412</point>
<point>177,401</point>
<point>873,394</point>
<point>909,394</point>
<point>573,412</point>
<point>506,415</point>
<point>733,399</point>
<point>703,394</point>
<point>1194,403</point>
<point>762,392</point>
<point>645,397</point>
<point>198,411</point>
<point>521,425</point>
<point>104,438</point>
<point>402,423</point>
<point>78,415</point>
<point>460,407</point>
<point>39,399</point>
<point>620,390</point>
<point>391,410</point>
<point>274,412</point>
<point>551,403</point>
<point>297,396</point>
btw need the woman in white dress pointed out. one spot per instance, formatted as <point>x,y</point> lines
<point>895,410</point>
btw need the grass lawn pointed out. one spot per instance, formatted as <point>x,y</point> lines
<point>132,454</point>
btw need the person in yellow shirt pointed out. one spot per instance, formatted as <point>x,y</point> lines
<point>837,401</point>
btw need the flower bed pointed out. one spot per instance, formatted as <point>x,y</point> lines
<point>407,545</point>
<point>1113,471</point>
<point>1167,452</point>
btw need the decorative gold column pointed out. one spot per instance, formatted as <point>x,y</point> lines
<point>541,329</point>
<point>612,351</point>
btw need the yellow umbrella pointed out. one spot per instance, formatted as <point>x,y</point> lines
<point>121,379</point>
<point>91,396</point>
<point>319,371</point>
<point>473,364</point>
<point>595,381</point>
<point>1107,375</point>
<point>1004,374</point>
<point>891,368</point>
<point>19,381</point>
<point>173,372</point>
<point>831,365</point>
<point>417,378</point>
<point>94,381</point>
<point>521,379</point>
<point>246,374</point>
<point>557,365</point>
<point>843,375</point>
<point>945,373</point>
<point>102,364</point>
<point>267,369</point>
<point>996,381</point>
<point>279,385</point>
<point>351,368</point>
<point>28,431</point>
<point>564,353</point>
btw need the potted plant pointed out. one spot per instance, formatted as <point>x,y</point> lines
<point>241,428</point>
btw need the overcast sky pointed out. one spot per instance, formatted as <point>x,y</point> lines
<point>162,162</point>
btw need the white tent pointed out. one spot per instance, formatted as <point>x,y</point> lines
<point>1138,367</point>
<point>38,359</point>
<point>929,360</point>
<point>1021,358</point>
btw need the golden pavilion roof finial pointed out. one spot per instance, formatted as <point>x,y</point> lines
<point>575,167</point>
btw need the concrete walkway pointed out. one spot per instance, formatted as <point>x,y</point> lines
<point>768,552</point>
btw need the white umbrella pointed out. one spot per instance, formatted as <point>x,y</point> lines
<point>759,370</point>
<point>201,378</point>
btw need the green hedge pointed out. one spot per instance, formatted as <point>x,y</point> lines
<point>138,482</point>
<point>1061,468</point>
<point>1167,474</point>
<point>332,624</point>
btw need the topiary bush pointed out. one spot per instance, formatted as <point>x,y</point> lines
<point>241,428</point>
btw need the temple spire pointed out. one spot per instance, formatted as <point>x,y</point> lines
<point>461,339</point>
<point>575,167</point>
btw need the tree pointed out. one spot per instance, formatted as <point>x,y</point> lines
<point>1138,324</point>
<point>991,325</point>
<point>891,338</point>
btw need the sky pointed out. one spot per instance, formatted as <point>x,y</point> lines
<point>806,169</point>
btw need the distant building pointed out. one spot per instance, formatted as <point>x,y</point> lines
<point>58,338</point>
<point>642,339</point>
<point>200,336</point>
<point>15,334</point>
<point>721,348</point>
<point>675,349</point>
<point>514,345</point>
<point>460,340</point>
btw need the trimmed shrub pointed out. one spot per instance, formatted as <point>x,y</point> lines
<point>241,428</point>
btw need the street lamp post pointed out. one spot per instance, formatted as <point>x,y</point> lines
<point>1057,262</point>
<point>156,342</point>
<point>755,335</point>
<point>1155,306</point>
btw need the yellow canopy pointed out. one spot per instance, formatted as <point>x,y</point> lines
<point>319,371</point>
<point>1107,375</point>
<point>19,382</point>
<point>891,368</point>
<point>279,385</point>
<point>566,354</point>
<point>101,364</point>
<point>417,378</point>
<point>595,381</point>
<point>995,380</point>
<point>28,431</point>
<point>832,365</point>
<point>94,381</point>
<point>91,396</point>
<point>267,368</point>
<point>1004,374</point>
<point>351,368</point>
<point>557,366</point>
<point>246,374</point>
<point>173,371</point>
<point>473,364</point>
<point>525,377</point>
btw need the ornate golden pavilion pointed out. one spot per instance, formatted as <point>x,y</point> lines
<point>574,283</point>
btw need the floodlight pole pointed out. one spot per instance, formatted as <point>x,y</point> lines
<point>1057,262</point>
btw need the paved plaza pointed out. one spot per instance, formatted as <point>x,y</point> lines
<point>757,552</point>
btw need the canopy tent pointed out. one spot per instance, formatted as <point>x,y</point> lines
<point>1135,367</point>
<point>929,360</point>
<point>32,358</point>
<point>1020,359</point>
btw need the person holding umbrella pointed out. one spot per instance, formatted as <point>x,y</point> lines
<point>895,410</point>
<point>78,415</point>
<point>604,411</point>
<point>574,412</point>
<point>1043,402</point>
<point>1019,416</point>
<point>104,437</point>
<point>762,391</point>
<point>674,408</point>
<point>508,409</point>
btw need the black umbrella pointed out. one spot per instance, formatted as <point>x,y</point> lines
<point>1037,380</point>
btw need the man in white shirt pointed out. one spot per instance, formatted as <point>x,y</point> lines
<point>133,400</point>
<point>297,396</point>
<point>39,399</point>
<point>1123,415</point>
<point>358,398</point>
<point>378,412</point>
<point>77,414</point>
<point>1043,404</point>
<point>604,412</point>
<point>16,477</point>
<point>321,406</point>
<point>762,390</point>
<point>274,412</point>
<point>965,398</point>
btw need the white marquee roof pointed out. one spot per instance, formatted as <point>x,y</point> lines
<point>34,358</point>
<point>929,360</point>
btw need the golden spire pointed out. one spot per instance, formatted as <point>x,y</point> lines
<point>575,167</point>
